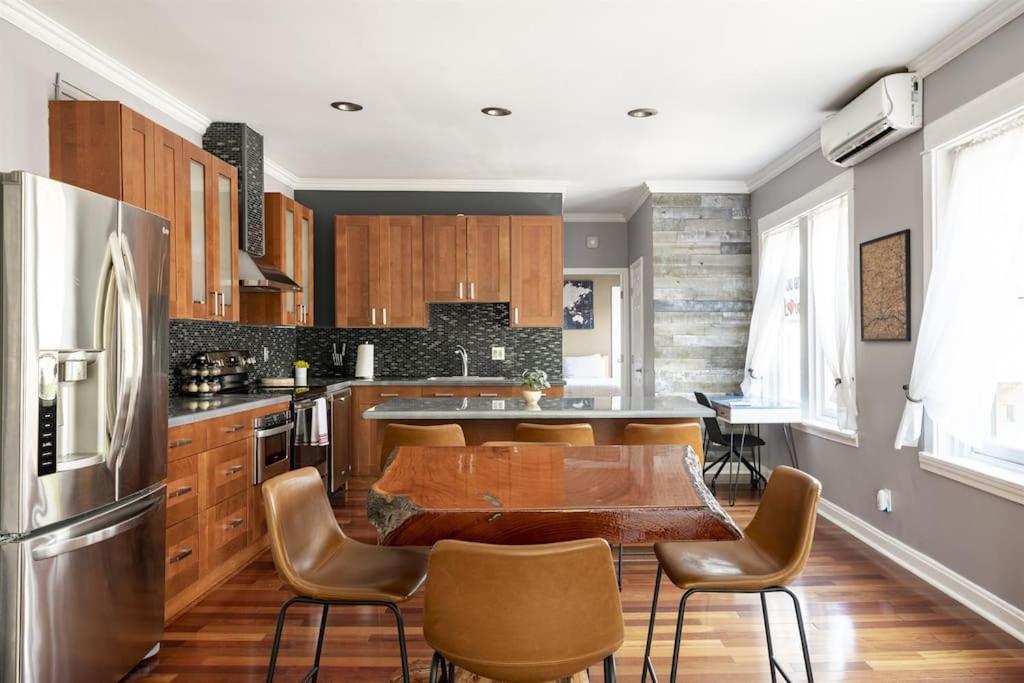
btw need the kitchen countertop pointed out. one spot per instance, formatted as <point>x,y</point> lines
<point>181,411</point>
<point>548,409</point>
<point>419,381</point>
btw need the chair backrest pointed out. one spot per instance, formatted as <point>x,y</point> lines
<point>523,613</point>
<point>302,527</point>
<point>711,425</point>
<point>574,434</point>
<point>396,435</point>
<point>679,434</point>
<point>783,526</point>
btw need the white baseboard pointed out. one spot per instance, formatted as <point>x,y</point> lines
<point>979,600</point>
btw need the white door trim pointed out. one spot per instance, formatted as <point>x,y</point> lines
<point>638,264</point>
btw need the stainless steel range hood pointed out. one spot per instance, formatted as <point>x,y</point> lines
<point>260,276</point>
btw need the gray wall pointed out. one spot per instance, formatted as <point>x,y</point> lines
<point>972,532</point>
<point>640,242</point>
<point>326,204</point>
<point>612,250</point>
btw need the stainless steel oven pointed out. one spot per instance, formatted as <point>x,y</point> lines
<point>273,445</point>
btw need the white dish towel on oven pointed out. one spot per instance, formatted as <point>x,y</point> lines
<point>318,423</point>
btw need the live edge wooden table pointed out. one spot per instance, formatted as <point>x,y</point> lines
<point>545,494</point>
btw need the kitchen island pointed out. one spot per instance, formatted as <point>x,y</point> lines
<point>494,419</point>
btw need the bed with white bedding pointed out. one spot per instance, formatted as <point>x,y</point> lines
<point>588,376</point>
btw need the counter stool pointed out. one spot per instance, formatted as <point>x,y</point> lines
<point>522,613</point>
<point>322,566</point>
<point>573,434</point>
<point>772,553</point>
<point>679,434</point>
<point>396,435</point>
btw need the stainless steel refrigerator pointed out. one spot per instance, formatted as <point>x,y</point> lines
<point>83,429</point>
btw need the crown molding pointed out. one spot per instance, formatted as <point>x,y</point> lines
<point>55,35</point>
<point>645,192</point>
<point>593,218</point>
<point>696,186</point>
<point>978,28</point>
<point>429,185</point>
<point>803,149</point>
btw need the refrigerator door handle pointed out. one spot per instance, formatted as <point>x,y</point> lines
<point>65,544</point>
<point>132,342</point>
<point>121,312</point>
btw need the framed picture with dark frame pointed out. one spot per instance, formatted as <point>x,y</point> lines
<point>885,288</point>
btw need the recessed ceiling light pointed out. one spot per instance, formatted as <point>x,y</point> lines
<point>496,111</point>
<point>642,112</point>
<point>347,106</point>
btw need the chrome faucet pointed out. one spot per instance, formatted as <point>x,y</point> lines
<point>460,351</point>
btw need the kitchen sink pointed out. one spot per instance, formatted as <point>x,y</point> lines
<point>466,378</point>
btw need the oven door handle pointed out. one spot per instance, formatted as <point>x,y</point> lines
<point>274,431</point>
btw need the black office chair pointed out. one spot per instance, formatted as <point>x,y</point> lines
<point>734,445</point>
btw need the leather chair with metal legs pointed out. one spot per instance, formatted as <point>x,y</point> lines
<point>396,435</point>
<point>575,434</point>
<point>772,553</point>
<point>522,613</point>
<point>324,567</point>
<point>679,434</point>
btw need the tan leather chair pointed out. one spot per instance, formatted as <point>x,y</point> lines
<point>522,613</point>
<point>513,444</point>
<point>322,566</point>
<point>396,435</point>
<point>772,553</point>
<point>575,434</point>
<point>681,434</point>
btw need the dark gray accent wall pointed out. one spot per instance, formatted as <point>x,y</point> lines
<point>972,532</point>
<point>188,337</point>
<point>640,244</point>
<point>612,250</point>
<point>326,204</point>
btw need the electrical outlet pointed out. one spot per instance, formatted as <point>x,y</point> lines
<point>884,500</point>
<point>266,354</point>
<point>497,353</point>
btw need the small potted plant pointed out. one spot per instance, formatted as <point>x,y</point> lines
<point>532,382</point>
<point>301,368</point>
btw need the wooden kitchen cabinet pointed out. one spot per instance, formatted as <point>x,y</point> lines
<point>289,248</point>
<point>108,148</point>
<point>379,271</point>
<point>536,260</point>
<point>466,258</point>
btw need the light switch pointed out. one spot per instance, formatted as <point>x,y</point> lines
<point>593,242</point>
<point>497,353</point>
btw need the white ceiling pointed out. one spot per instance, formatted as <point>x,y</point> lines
<point>737,82</point>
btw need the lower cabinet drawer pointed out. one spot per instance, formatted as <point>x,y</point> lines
<point>182,489</point>
<point>257,513</point>
<point>225,531</point>
<point>224,472</point>
<point>183,554</point>
<point>185,440</point>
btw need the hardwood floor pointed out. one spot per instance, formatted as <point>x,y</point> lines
<point>867,620</point>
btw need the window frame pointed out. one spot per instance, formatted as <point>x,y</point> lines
<point>815,420</point>
<point>999,476</point>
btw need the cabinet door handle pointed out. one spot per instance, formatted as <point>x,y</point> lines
<point>236,522</point>
<point>180,492</point>
<point>442,395</point>
<point>373,316</point>
<point>213,300</point>
<point>389,395</point>
<point>384,311</point>
<point>472,290</point>
<point>484,394</point>
<point>185,552</point>
<point>460,290</point>
<point>234,470</point>
<point>178,443</point>
<point>223,304</point>
<point>516,315</point>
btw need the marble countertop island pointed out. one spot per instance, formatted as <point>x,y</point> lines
<point>640,407</point>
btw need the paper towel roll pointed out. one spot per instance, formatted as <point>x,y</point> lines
<point>364,361</point>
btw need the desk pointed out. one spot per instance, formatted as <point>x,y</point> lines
<point>543,494</point>
<point>747,412</point>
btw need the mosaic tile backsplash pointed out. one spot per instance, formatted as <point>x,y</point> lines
<point>399,352</point>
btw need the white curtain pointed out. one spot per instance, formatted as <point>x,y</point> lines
<point>769,303</point>
<point>828,270</point>
<point>980,239</point>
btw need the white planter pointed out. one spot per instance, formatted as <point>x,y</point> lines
<point>531,397</point>
<point>300,376</point>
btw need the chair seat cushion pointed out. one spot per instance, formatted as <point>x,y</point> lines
<point>733,565</point>
<point>360,571</point>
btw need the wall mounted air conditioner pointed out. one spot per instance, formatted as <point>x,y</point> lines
<point>887,111</point>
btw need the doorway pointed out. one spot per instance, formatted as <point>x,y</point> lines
<point>595,332</point>
<point>636,328</point>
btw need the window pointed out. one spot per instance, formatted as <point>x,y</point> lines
<point>802,327</point>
